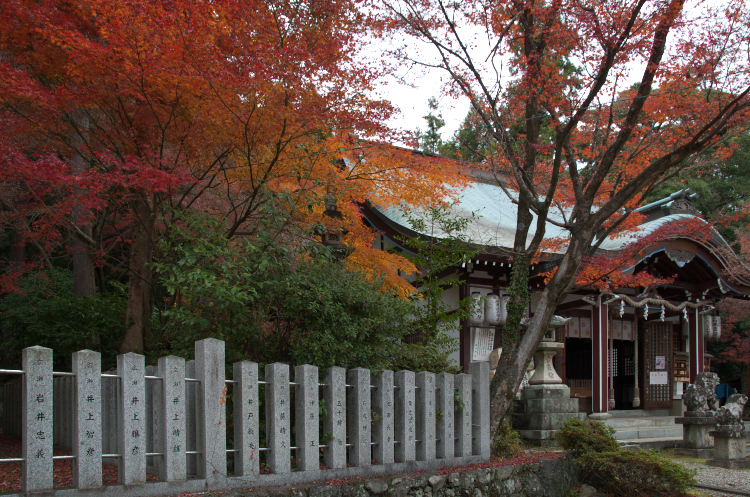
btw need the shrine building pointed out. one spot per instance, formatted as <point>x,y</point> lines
<point>622,350</point>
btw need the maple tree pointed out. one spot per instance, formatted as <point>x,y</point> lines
<point>118,114</point>
<point>590,106</point>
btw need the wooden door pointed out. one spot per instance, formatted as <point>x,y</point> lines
<point>657,366</point>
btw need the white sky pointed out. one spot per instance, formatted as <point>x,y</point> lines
<point>411,99</point>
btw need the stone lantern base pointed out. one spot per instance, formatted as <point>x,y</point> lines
<point>730,450</point>
<point>696,438</point>
<point>542,410</point>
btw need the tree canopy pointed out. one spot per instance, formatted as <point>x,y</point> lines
<point>118,115</point>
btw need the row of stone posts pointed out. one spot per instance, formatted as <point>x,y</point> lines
<point>398,420</point>
<point>712,432</point>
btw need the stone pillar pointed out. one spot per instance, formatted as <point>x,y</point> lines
<point>425,426</point>
<point>358,421</point>
<point>444,401</point>
<point>246,417</point>
<point>480,386</point>
<point>87,423</point>
<point>153,427</point>
<point>307,409</point>
<point>131,368</point>
<point>37,419</point>
<point>191,428</point>
<point>463,415</point>
<point>211,410</point>
<point>277,418</point>
<point>382,405</point>
<point>334,423</point>
<point>405,414</point>
<point>173,422</point>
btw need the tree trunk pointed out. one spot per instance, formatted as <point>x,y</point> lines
<point>17,250</point>
<point>513,362</point>
<point>138,310</point>
<point>83,263</point>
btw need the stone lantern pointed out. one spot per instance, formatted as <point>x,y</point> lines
<point>545,403</point>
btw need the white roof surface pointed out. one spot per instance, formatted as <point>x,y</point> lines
<point>494,219</point>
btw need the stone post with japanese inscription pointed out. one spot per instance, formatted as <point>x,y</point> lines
<point>358,421</point>
<point>480,385</point>
<point>277,418</point>
<point>246,434</point>
<point>173,427</point>
<point>405,416</point>
<point>425,426</point>
<point>382,405</point>
<point>444,400</point>
<point>307,426</point>
<point>36,429</point>
<point>87,423</point>
<point>334,423</point>
<point>211,410</point>
<point>463,413</point>
<point>131,368</point>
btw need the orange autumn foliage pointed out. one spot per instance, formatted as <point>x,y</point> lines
<point>229,107</point>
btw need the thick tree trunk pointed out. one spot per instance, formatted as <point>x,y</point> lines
<point>17,250</point>
<point>138,311</point>
<point>83,265</point>
<point>513,362</point>
<point>84,283</point>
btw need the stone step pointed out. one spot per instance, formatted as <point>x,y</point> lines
<point>644,422</point>
<point>637,433</point>
<point>639,413</point>
<point>651,443</point>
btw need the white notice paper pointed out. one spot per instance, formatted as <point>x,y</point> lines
<point>659,378</point>
<point>484,341</point>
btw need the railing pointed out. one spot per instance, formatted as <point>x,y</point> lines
<point>174,423</point>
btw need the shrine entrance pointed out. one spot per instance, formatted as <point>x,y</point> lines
<point>656,379</point>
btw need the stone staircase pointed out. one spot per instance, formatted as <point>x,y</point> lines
<point>647,429</point>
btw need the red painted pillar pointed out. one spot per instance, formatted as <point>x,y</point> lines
<point>600,362</point>
<point>695,343</point>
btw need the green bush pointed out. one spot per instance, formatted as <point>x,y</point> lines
<point>635,473</point>
<point>275,303</point>
<point>618,472</point>
<point>507,442</point>
<point>580,437</point>
<point>50,315</point>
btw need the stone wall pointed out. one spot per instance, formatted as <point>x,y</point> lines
<point>548,478</point>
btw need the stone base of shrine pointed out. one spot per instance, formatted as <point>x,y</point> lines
<point>696,453</point>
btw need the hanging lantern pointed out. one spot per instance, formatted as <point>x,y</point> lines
<point>492,309</point>
<point>476,309</point>
<point>708,326</point>
<point>717,327</point>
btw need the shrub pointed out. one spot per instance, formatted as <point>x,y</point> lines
<point>635,473</point>
<point>581,437</point>
<point>50,315</point>
<point>507,442</point>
